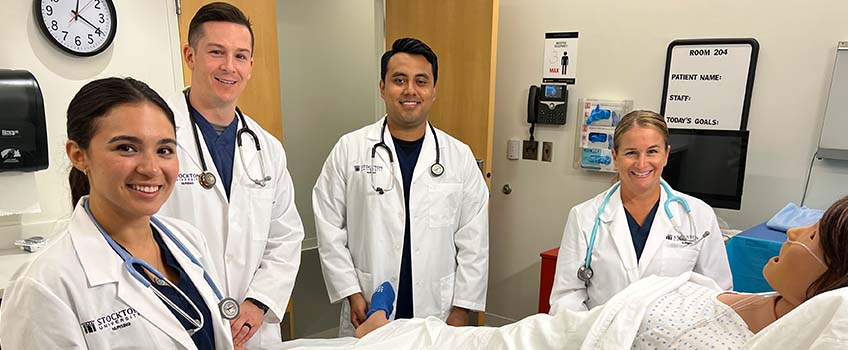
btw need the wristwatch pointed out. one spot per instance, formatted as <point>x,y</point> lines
<point>258,304</point>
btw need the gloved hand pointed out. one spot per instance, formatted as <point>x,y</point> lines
<point>383,299</point>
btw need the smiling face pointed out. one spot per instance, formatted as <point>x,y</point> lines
<point>220,62</point>
<point>130,161</point>
<point>640,158</point>
<point>408,90</point>
<point>800,263</point>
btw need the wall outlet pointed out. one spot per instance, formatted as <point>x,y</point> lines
<point>547,151</point>
<point>531,150</point>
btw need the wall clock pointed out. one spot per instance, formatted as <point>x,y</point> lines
<point>79,27</point>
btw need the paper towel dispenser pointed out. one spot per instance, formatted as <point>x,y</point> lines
<point>23,128</point>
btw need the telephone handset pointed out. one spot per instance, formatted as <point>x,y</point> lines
<point>533,104</point>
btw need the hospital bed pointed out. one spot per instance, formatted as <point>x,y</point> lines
<point>820,324</point>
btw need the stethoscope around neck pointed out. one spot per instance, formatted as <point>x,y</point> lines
<point>207,178</point>
<point>585,272</point>
<point>436,169</point>
<point>228,307</point>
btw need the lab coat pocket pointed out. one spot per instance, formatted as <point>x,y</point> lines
<point>446,286</point>
<point>260,204</point>
<point>444,199</point>
<point>678,258</point>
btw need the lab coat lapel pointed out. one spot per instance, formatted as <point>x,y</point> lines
<point>615,218</point>
<point>188,147</point>
<point>383,157</point>
<point>102,265</point>
<point>659,229</point>
<point>427,156</point>
<point>251,157</point>
<point>195,273</point>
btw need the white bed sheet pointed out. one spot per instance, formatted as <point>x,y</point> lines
<point>819,324</point>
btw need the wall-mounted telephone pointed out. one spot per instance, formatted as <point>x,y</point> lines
<point>547,104</point>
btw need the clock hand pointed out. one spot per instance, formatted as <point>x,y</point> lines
<point>76,13</point>
<point>86,21</point>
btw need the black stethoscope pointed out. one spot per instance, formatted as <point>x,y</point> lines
<point>437,169</point>
<point>207,178</point>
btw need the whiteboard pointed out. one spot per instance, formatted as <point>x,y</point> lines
<point>708,83</point>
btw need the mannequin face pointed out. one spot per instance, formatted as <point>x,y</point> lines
<point>800,263</point>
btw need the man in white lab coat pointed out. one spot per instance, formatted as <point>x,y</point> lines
<point>241,197</point>
<point>404,202</point>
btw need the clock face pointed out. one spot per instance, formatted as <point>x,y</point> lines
<point>80,27</point>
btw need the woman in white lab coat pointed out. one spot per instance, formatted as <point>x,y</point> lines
<point>78,293</point>
<point>639,230</point>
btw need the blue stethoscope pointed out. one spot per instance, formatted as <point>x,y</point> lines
<point>207,178</point>
<point>228,307</point>
<point>436,169</point>
<point>585,272</point>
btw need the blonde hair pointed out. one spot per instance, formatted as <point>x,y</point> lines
<point>643,119</point>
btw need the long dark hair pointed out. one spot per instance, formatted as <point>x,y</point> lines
<point>94,101</point>
<point>833,239</point>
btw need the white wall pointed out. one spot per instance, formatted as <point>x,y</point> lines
<point>622,56</point>
<point>145,47</point>
<point>329,70</point>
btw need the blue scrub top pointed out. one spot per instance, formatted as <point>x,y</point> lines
<point>407,155</point>
<point>203,338</point>
<point>639,234</point>
<point>221,147</point>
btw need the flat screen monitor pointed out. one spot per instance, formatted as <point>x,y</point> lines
<point>708,164</point>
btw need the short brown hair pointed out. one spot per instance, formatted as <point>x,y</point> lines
<point>217,12</point>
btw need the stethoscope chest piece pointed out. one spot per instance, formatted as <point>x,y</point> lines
<point>229,308</point>
<point>437,169</point>
<point>207,180</point>
<point>585,273</point>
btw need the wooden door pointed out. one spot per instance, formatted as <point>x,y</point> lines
<point>261,98</point>
<point>464,36</point>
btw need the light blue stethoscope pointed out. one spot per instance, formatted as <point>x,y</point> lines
<point>228,307</point>
<point>585,272</point>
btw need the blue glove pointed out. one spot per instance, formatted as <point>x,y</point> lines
<point>383,299</point>
<point>597,114</point>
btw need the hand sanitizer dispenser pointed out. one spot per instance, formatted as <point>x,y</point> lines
<point>23,129</point>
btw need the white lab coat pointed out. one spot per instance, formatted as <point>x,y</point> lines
<point>78,295</point>
<point>614,257</point>
<point>255,237</point>
<point>360,232</point>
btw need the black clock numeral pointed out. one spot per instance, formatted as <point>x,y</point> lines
<point>54,25</point>
<point>49,10</point>
<point>56,1</point>
<point>90,39</point>
<point>102,18</point>
<point>98,32</point>
<point>65,37</point>
<point>77,41</point>
<point>97,4</point>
